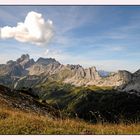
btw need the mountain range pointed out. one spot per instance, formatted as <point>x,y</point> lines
<point>25,72</point>
<point>55,91</point>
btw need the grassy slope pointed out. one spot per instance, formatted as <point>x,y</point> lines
<point>91,103</point>
<point>18,122</point>
<point>15,121</point>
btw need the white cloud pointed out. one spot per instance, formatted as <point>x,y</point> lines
<point>33,30</point>
<point>46,52</point>
<point>57,54</point>
<point>117,48</point>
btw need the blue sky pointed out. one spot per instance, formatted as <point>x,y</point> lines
<point>107,37</point>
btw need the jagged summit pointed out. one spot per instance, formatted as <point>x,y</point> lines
<point>10,62</point>
<point>23,58</point>
<point>46,61</point>
<point>25,61</point>
<point>137,73</point>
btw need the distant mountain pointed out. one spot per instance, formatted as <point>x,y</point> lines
<point>25,72</point>
<point>103,73</point>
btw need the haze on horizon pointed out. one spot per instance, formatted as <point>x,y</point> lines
<point>103,36</point>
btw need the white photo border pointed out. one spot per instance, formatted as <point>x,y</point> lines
<point>69,2</point>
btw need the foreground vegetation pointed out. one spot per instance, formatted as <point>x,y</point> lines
<point>18,122</point>
<point>94,104</point>
<point>56,108</point>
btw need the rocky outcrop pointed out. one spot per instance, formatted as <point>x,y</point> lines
<point>134,83</point>
<point>25,61</point>
<point>43,65</point>
<point>47,61</point>
<point>92,77</point>
<point>23,100</point>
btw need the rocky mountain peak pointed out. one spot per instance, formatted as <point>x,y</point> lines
<point>25,61</point>
<point>137,73</point>
<point>46,61</point>
<point>24,57</point>
<point>10,62</point>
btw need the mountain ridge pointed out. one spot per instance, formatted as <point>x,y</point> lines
<point>26,70</point>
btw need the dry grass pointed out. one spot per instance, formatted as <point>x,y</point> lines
<point>18,122</point>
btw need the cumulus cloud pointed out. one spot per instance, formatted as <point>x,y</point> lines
<point>33,30</point>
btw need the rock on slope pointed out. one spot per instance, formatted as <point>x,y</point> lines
<point>134,83</point>
<point>23,101</point>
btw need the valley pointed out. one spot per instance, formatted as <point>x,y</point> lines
<point>20,113</point>
<point>84,101</point>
